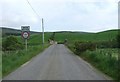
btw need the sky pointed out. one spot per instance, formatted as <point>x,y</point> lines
<point>60,15</point>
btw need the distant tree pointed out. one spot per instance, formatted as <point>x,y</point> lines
<point>11,43</point>
<point>52,37</point>
<point>65,41</point>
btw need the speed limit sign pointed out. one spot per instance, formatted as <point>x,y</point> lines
<point>25,35</point>
<point>25,32</point>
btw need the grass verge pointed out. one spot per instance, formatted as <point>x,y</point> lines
<point>102,60</point>
<point>106,60</point>
<point>13,60</point>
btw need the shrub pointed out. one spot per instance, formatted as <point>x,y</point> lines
<point>11,43</point>
<point>52,37</point>
<point>107,44</point>
<point>83,46</point>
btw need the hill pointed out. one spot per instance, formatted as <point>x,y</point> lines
<point>10,31</point>
<point>35,37</point>
<point>84,36</point>
<point>71,36</point>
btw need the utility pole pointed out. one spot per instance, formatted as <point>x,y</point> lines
<point>42,31</point>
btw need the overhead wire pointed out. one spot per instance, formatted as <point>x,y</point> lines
<point>38,17</point>
<point>33,10</point>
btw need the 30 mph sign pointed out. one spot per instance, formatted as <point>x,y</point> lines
<point>25,35</point>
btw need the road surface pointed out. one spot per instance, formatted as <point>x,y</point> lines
<point>56,63</point>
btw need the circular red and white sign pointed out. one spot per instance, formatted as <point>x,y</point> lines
<point>25,35</point>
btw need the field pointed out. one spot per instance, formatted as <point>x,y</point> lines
<point>75,36</point>
<point>11,60</point>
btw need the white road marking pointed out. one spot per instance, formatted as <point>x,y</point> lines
<point>25,64</point>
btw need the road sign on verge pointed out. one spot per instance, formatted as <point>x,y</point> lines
<point>25,32</point>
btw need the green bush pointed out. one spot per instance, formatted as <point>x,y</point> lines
<point>107,44</point>
<point>83,46</point>
<point>52,37</point>
<point>11,43</point>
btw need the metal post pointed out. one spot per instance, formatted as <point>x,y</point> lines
<point>26,44</point>
<point>43,31</point>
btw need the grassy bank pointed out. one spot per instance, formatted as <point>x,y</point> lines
<point>11,60</point>
<point>14,59</point>
<point>105,60</point>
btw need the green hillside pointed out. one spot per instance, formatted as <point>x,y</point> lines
<point>75,36</point>
<point>37,38</point>
<point>10,31</point>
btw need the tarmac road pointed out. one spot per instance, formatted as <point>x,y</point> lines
<point>56,63</point>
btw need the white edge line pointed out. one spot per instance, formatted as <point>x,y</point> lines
<point>25,64</point>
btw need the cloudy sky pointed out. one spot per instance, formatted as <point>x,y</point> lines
<point>60,15</point>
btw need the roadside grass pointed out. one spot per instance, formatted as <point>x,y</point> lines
<point>11,60</point>
<point>105,60</point>
<point>14,59</point>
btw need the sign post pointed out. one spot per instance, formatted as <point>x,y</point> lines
<point>25,34</point>
<point>26,44</point>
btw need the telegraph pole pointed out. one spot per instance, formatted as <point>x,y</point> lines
<point>42,31</point>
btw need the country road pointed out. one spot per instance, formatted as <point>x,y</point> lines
<point>56,63</point>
